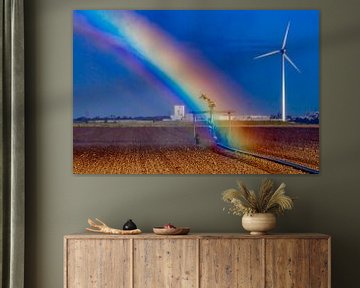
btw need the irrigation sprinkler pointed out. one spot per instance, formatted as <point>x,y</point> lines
<point>211,105</point>
<point>195,134</point>
<point>229,119</point>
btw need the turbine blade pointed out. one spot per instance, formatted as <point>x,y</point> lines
<point>267,54</point>
<point>285,36</point>
<point>292,63</point>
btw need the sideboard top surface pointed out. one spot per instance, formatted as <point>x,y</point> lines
<point>86,235</point>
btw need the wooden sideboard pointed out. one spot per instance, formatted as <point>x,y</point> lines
<point>197,260</point>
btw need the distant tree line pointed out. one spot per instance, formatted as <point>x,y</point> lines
<point>310,118</point>
<point>106,119</point>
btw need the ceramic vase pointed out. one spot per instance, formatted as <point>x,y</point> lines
<point>259,223</point>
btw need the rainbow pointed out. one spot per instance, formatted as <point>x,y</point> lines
<point>157,57</point>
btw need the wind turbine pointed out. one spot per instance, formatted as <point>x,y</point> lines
<point>284,57</point>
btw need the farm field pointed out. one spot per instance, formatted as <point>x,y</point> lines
<point>160,149</point>
<point>299,144</point>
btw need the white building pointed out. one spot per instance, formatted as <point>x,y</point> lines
<point>179,112</point>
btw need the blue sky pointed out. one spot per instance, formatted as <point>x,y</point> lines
<point>229,40</point>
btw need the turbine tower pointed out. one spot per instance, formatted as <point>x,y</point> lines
<point>284,57</point>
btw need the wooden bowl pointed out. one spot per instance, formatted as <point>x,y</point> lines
<point>171,231</point>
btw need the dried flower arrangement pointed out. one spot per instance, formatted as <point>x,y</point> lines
<point>246,202</point>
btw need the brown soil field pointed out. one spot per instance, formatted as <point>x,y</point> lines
<point>138,136</point>
<point>171,150</point>
<point>299,144</point>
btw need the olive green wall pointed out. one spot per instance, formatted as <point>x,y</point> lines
<point>59,202</point>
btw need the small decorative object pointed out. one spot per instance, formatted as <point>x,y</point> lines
<point>258,209</point>
<point>259,223</point>
<point>101,227</point>
<point>169,226</point>
<point>129,225</point>
<point>169,229</point>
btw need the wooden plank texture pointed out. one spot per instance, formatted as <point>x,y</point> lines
<point>98,264</point>
<point>319,263</point>
<point>166,263</point>
<point>231,263</point>
<point>287,263</point>
<point>88,235</point>
<point>198,260</point>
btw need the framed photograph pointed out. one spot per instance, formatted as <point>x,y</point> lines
<point>196,92</point>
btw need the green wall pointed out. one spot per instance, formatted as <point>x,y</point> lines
<point>59,203</point>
